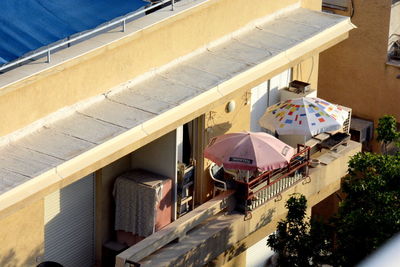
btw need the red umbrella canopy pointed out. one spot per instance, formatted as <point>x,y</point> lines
<point>249,151</point>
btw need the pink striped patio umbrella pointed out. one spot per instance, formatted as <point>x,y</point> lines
<point>249,151</point>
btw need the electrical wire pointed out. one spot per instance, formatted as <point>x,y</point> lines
<point>312,69</point>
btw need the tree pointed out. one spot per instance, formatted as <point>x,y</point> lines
<point>297,242</point>
<point>370,214</point>
<point>387,131</point>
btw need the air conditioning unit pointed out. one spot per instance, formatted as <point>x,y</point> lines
<point>287,94</point>
<point>299,86</point>
<point>342,5</point>
<point>346,125</point>
<point>362,130</point>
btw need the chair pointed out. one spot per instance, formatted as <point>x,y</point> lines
<point>217,174</point>
<point>240,175</point>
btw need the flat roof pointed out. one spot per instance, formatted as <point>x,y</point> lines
<point>93,132</point>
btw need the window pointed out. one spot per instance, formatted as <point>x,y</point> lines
<point>394,51</point>
<point>336,4</point>
<point>394,34</point>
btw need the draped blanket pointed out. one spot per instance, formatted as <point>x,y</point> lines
<point>137,194</point>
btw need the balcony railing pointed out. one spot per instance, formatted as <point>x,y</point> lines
<point>270,184</point>
<point>121,21</point>
<point>263,195</point>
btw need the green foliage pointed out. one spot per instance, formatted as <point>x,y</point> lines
<point>367,218</point>
<point>370,213</point>
<point>387,131</point>
<point>297,242</point>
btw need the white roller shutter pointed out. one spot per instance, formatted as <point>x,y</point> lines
<point>259,102</point>
<point>277,83</point>
<point>69,224</point>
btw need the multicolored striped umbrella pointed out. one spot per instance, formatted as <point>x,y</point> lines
<point>303,116</point>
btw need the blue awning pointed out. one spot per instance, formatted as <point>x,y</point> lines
<point>26,25</point>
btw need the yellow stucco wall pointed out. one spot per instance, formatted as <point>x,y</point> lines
<point>113,64</point>
<point>22,237</point>
<point>354,73</point>
<point>312,4</point>
<point>307,71</point>
<point>217,122</point>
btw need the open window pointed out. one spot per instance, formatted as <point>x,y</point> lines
<point>189,164</point>
<point>342,5</point>
<point>394,34</point>
<point>186,136</point>
<point>394,51</point>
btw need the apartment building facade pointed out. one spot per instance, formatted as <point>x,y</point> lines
<point>132,99</point>
<point>372,89</point>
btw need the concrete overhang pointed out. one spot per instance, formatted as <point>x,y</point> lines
<point>90,136</point>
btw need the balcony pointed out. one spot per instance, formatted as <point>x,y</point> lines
<point>262,188</point>
<point>216,227</point>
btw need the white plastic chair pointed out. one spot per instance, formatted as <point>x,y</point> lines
<point>217,173</point>
<point>240,175</point>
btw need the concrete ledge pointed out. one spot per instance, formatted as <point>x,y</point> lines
<point>175,230</point>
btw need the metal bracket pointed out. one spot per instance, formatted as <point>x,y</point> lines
<point>248,215</point>
<point>278,197</point>
<point>306,180</point>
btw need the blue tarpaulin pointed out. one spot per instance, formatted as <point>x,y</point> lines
<point>26,25</point>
